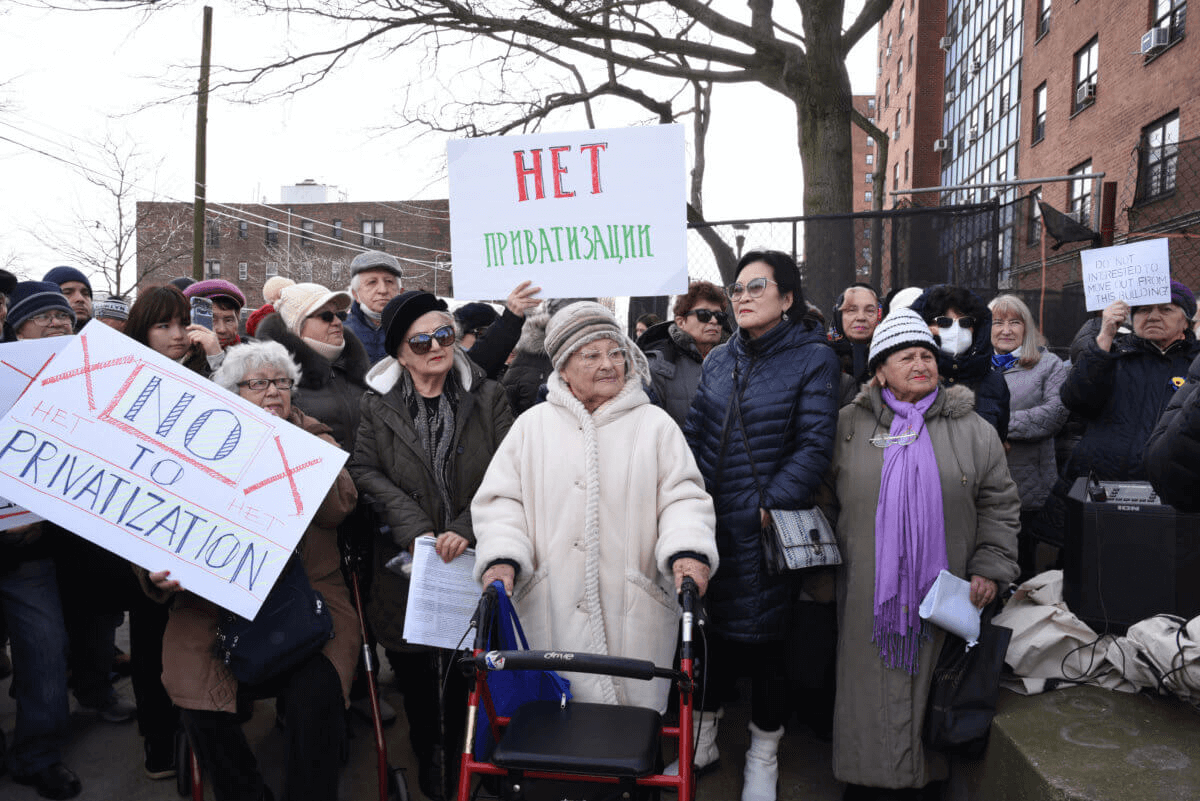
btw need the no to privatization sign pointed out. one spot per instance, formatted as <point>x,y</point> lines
<point>588,213</point>
<point>140,455</point>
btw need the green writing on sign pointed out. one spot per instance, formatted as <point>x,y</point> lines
<point>567,243</point>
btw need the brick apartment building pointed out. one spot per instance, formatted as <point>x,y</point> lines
<point>862,149</point>
<point>246,243</point>
<point>989,91</point>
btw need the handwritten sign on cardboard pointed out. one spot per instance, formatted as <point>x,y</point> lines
<point>1138,273</point>
<point>587,213</point>
<point>147,459</point>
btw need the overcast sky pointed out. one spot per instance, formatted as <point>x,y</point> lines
<point>68,78</point>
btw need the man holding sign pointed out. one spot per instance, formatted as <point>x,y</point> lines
<point>1121,383</point>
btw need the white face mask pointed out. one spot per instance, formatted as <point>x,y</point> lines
<point>955,339</point>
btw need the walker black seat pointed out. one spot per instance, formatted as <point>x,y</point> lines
<point>584,739</point>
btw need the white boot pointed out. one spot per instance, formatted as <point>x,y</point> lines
<point>762,765</point>
<point>704,729</point>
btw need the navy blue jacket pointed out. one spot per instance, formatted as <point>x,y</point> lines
<point>1173,454</point>
<point>787,380</point>
<point>1120,394</point>
<point>372,338</point>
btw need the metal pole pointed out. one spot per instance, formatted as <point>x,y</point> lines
<point>201,150</point>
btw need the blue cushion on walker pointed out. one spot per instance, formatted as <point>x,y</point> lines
<point>585,739</point>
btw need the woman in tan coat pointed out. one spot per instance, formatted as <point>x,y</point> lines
<point>317,689</point>
<point>921,485</point>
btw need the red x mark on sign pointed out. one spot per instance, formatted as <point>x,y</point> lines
<point>87,370</point>
<point>288,472</point>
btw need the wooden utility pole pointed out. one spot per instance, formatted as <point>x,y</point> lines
<point>198,204</point>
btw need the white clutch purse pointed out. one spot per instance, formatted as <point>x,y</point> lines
<point>948,606</point>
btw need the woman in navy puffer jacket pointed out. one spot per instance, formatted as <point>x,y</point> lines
<point>769,395</point>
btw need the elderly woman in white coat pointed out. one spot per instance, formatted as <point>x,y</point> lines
<point>593,510</point>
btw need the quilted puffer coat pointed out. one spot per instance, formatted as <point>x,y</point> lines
<point>1036,413</point>
<point>786,384</point>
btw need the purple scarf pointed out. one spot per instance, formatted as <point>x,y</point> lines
<point>910,534</point>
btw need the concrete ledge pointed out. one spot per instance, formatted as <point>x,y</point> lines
<point>1089,744</point>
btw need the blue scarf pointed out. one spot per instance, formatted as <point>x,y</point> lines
<point>1004,361</point>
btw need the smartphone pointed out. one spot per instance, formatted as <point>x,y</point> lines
<point>202,312</point>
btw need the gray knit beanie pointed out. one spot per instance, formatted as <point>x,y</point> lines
<point>580,323</point>
<point>902,328</point>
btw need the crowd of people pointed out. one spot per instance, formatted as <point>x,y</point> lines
<point>592,470</point>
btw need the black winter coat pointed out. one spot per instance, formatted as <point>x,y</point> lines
<point>328,391</point>
<point>674,370</point>
<point>527,373</point>
<point>787,380</point>
<point>1173,453</point>
<point>1120,394</point>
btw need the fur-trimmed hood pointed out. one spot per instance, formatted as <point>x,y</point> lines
<point>953,402</point>
<point>316,370</point>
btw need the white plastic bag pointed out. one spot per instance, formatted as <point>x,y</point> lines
<point>948,606</point>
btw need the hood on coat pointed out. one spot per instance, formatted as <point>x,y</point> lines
<point>954,402</point>
<point>315,369</point>
<point>386,372</point>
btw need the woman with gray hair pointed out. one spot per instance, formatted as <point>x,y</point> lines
<point>197,679</point>
<point>593,510</point>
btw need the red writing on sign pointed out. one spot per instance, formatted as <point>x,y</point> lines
<point>533,169</point>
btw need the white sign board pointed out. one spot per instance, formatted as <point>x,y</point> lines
<point>588,213</point>
<point>147,459</point>
<point>20,363</point>
<point>1138,273</point>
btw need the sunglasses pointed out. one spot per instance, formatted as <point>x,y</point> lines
<point>753,288</point>
<point>327,316</point>
<point>708,315</point>
<point>948,322</point>
<point>422,343</point>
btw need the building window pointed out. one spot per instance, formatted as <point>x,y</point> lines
<point>372,233</point>
<point>337,229</point>
<point>870,104</point>
<point>1158,158</point>
<point>243,271</point>
<point>1079,193</point>
<point>243,229</point>
<point>906,166</point>
<point>870,141</point>
<point>212,269</point>
<point>1172,15</point>
<point>212,235</point>
<point>272,269</point>
<point>1086,63</point>
<point>1043,25</point>
<point>1039,113</point>
<point>1034,223</point>
<point>869,177</point>
<point>895,177</point>
<point>870,159</point>
<point>272,233</point>
<point>335,273</point>
<point>899,70</point>
<point>867,196</point>
<point>306,233</point>
<point>908,110</point>
<point>887,94</point>
<point>900,27</point>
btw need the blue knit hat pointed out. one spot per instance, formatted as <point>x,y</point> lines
<point>34,297</point>
<point>63,274</point>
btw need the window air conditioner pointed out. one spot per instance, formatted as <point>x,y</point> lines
<point>972,134</point>
<point>945,42</point>
<point>889,52</point>
<point>1155,39</point>
<point>1086,93</point>
<point>949,98</point>
<point>940,145</point>
<point>976,65</point>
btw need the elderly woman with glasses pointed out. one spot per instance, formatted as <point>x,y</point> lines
<point>761,427</point>
<point>317,689</point>
<point>431,421</point>
<point>676,350</point>
<point>593,511</point>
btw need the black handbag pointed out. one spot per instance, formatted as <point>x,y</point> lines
<point>966,684</point>
<point>292,624</point>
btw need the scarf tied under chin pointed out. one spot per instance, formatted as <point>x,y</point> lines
<point>910,535</point>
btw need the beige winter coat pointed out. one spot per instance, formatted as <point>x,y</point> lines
<point>600,582</point>
<point>879,712</point>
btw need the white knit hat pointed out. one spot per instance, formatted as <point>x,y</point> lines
<point>902,328</point>
<point>298,301</point>
<point>274,287</point>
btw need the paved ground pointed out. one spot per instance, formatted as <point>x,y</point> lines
<point>108,757</point>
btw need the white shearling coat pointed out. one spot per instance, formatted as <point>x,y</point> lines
<point>592,508</point>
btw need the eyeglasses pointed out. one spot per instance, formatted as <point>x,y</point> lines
<point>708,315</point>
<point>753,288</point>
<point>261,384</point>
<point>1015,323</point>
<point>327,316</point>
<point>591,358</point>
<point>423,343</point>
<point>51,317</point>
<point>949,322</point>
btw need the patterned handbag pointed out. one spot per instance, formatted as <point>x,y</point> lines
<point>799,539</point>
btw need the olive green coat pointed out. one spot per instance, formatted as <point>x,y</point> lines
<point>390,464</point>
<point>879,711</point>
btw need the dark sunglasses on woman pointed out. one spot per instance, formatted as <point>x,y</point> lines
<point>422,343</point>
<point>707,315</point>
<point>327,316</point>
<point>947,322</point>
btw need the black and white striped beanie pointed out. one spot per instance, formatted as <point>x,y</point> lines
<point>901,329</point>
